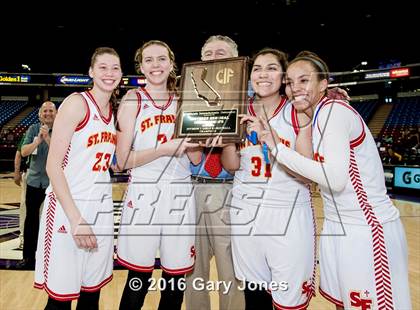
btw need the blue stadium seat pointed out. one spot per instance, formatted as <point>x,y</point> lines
<point>10,108</point>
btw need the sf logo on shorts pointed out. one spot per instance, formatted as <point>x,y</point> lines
<point>192,251</point>
<point>358,302</point>
<point>307,288</point>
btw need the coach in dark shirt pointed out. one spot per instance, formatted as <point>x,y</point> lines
<point>36,144</point>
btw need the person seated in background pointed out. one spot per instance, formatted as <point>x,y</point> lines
<point>394,157</point>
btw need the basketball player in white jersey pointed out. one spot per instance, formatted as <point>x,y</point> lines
<point>273,233</point>
<point>75,245</point>
<point>158,213</point>
<point>363,251</point>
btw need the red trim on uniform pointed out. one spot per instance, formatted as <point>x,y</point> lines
<point>66,158</point>
<point>56,296</point>
<point>331,299</point>
<point>131,266</point>
<point>105,119</point>
<point>38,286</point>
<point>295,121</point>
<point>324,100</point>
<point>344,103</point>
<point>86,118</point>
<point>49,232</point>
<point>251,109</point>
<point>315,242</point>
<point>177,271</point>
<point>380,256</point>
<point>138,103</point>
<point>357,141</point>
<point>298,307</point>
<point>97,287</point>
<point>164,107</point>
<point>283,101</point>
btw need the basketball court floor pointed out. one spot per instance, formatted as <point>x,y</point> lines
<point>16,286</point>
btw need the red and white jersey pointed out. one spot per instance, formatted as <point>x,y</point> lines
<point>264,183</point>
<point>90,153</point>
<point>156,125</point>
<point>363,199</point>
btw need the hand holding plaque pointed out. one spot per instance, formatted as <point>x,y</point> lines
<point>213,95</point>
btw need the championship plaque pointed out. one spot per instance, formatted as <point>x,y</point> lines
<point>213,94</point>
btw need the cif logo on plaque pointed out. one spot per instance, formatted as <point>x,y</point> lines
<point>213,95</point>
<point>224,75</point>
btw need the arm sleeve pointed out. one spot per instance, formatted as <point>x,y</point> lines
<point>336,125</point>
<point>29,136</point>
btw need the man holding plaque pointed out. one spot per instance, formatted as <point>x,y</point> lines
<point>212,192</point>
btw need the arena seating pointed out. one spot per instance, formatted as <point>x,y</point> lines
<point>9,108</point>
<point>406,112</point>
<point>30,118</point>
<point>10,137</point>
<point>400,131</point>
<point>404,115</point>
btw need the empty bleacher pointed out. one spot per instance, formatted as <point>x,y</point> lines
<point>405,114</point>
<point>378,119</point>
<point>9,109</point>
<point>30,119</point>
